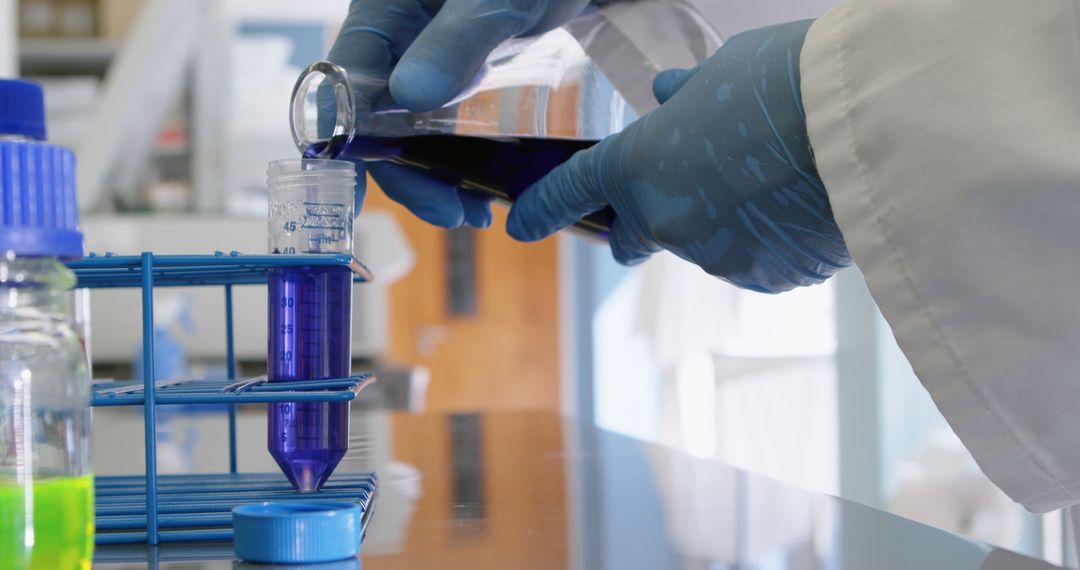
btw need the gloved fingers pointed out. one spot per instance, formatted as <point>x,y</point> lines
<point>376,32</point>
<point>628,246</point>
<point>326,107</point>
<point>477,208</point>
<point>449,52</point>
<point>565,195</point>
<point>667,83</point>
<point>432,200</point>
<point>373,36</point>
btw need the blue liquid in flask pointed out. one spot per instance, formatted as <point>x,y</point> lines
<point>502,167</point>
<point>310,339</point>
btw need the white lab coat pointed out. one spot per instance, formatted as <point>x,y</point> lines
<point>948,135</point>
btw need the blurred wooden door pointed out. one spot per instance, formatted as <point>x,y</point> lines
<point>499,503</point>
<point>505,355</point>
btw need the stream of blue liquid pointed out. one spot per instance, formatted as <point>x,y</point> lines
<point>309,339</point>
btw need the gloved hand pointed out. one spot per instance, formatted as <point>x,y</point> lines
<point>431,50</point>
<point>721,174</point>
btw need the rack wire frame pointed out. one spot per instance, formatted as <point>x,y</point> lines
<point>146,271</point>
<point>198,507</point>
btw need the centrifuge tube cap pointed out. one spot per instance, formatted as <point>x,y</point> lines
<point>302,532</point>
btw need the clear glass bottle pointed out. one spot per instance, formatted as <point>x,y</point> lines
<point>46,486</point>
<point>534,104</point>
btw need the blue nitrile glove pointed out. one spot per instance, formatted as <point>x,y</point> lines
<point>431,50</point>
<point>721,174</point>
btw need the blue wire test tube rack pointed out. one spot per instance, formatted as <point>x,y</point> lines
<point>157,508</point>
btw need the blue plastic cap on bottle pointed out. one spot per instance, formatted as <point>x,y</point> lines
<point>22,109</point>
<point>38,207</point>
<point>297,532</point>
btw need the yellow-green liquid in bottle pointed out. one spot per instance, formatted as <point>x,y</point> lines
<point>62,533</point>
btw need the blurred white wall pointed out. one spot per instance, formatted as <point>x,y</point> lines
<point>686,360</point>
<point>8,33</point>
<point>261,48</point>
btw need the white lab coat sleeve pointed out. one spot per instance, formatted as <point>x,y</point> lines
<point>948,135</point>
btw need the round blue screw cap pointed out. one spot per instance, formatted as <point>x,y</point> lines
<point>22,109</point>
<point>297,532</point>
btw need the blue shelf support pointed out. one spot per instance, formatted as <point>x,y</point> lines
<point>231,366</point>
<point>150,425</point>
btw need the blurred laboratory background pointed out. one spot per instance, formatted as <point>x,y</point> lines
<point>174,109</point>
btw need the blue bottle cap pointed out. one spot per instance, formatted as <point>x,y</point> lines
<point>38,208</point>
<point>297,532</point>
<point>22,109</point>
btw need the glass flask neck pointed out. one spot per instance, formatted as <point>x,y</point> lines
<point>332,113</point>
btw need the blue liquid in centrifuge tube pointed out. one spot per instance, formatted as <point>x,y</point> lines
<point>310,339</point>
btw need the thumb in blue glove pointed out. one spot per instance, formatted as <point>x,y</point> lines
<point>721,174</point>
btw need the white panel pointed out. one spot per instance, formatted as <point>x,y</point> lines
<point>8,46</point>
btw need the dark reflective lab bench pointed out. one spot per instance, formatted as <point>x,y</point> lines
<point>525,490</point>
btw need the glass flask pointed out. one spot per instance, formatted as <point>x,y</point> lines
<point>534,103</point>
